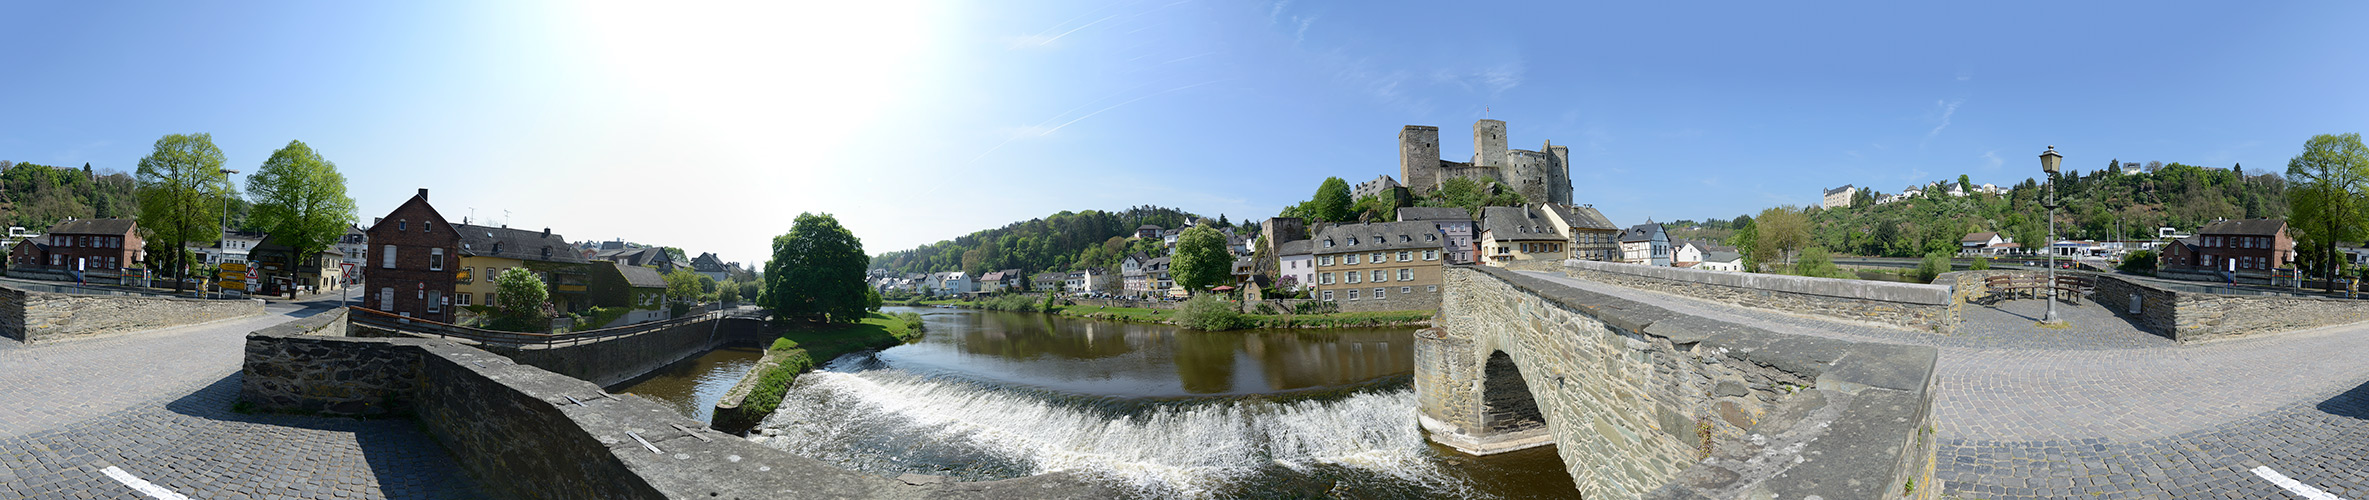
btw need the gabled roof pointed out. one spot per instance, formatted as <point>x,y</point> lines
<point>507,243</point>
<point>1517,224</point>
<point>707,263</point>
<point>1981,237</point>
<point>1147,226</point>
<point>639,277</point>
<point>2250,227</point>
<point>1407,214</point>
<point>1588,218</point>
<point>1722,256</point>
<point>1293,247</point>
<point>642,256</point>
<point>113,227</point>
<point>1839,190</point>
<point>1641,233</point>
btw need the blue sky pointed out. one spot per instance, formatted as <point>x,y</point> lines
<point>710,126</point>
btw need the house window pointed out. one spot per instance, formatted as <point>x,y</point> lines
<point>1430,255</point>
<point>1430,237</point>
<point>402,225</point>
<point>1406,275</point>
<point>1378,294</point>
<point>1352,295</point>
<point>435,260</point>
<point>1380,276</point>
<point>435,301</point>
<point>1328,278</point>
<point>1404,256</point>
<point>56,260</point>
<point>1431,288</point>
<point>1406,290</point>
<point>1328,243</point>
<point>1380,257</point>
<point>464,299</point>
<point>386,299</point>
<point>387,256</point>
<point>1328,295</point>
<point>1349,259</point>
<point>1353,241</point>
<point>1325,260</point>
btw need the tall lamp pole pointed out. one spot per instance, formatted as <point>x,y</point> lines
<point>2048,163</point>
<point>221,244</point>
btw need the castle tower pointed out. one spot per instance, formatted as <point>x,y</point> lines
<point>1418,158</point>
<point>1559,175</point>
<point>1488,143</point>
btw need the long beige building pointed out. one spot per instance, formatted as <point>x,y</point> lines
<point>1381,266</point>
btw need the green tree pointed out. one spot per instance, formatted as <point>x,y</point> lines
<point>1332,203</point>
<point>521,302</point>
<point>817,272</point>
<point>300,201</point>
<point>2329,200</point>
<point>1780,231</point>
<point>182,189</point>
<point>1933,265</point>
<point>1965,184</point>
<point>1201,260</point>
<point>684,287</point>
<point>1472,195</point>
<point>1815,262</point>
<point>728,292</point>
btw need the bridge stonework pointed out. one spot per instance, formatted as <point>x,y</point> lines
<point>1643,402</point>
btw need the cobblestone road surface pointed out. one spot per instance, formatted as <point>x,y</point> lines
<point>2102,410</point>
<point>157,406</point>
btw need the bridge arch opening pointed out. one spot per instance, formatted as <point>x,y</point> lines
<point>1506,404</point>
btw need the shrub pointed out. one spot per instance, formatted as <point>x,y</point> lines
<point>1934,264</point>
<point>1815,262</point>
<point>1981,264</point>
<point>1316,307</point>
<point>2139,262</point>
<point>1265,308</point>
<point>1210,313</point>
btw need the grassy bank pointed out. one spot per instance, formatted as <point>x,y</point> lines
<point>803,347</point>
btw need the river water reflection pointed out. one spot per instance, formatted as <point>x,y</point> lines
<point>1155,409</point>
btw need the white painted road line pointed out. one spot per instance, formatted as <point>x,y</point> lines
<point>2293,486</point>
<point>160,493</point>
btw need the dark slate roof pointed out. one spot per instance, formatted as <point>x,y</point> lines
<point>1293,247</point>
<point>1641,233</point>
<point>1839,190</point>
<point>1588,218</point>
<point>1518,224</point>
<point>1432,213</point>
<point>640,277</point>
<point>1722,256</point>
<point>2251,227</point>
<point>707,263</point>
<point>1409,235</point>
<point>482,241</point>
<point>643,256</point>
<point>113,227</point>
<point>1156,264</point>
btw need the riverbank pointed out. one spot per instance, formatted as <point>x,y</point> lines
<point>801,348</point>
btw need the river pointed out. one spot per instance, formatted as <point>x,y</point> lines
<point>692,386</point>
<point>1153,409</point>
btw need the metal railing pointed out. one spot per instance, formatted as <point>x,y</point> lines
<point>420,327</point>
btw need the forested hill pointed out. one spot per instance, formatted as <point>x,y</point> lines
<point>37,196</point>
<point>2099,205</point>
<point>1062,241</point>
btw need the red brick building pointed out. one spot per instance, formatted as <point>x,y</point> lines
<point>84,245</point>
<point>2242,246</point>
<point>414,262</point>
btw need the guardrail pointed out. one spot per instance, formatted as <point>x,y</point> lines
<point>399,323</point>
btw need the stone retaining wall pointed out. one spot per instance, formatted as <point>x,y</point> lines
<point>32,317</point>
<point>1643,402</point>
<point>1926,307</point>
<point>526,432</point>
<point>2193,317</point>
<point>615,360</point>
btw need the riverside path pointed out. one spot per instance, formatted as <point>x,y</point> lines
<point>148,415</point>
<point>2103,410</point>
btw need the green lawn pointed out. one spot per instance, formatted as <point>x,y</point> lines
<point>802,347</point>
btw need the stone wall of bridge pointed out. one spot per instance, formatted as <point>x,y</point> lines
<point>1643,402</point>
<point>1928,307</point>
<point>527,432</point>
<point>35,316</point>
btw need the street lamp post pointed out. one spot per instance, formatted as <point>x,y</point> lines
<point>2048,163</point>
<point>225,240</point>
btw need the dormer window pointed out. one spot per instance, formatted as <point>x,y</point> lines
<point>546,252</point>
<point>1328,242</point>
<point>1353,240</point>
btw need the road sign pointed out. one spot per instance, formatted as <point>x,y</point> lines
<point>232,276</point>
<point>234,267</point>
<point>234,285</point>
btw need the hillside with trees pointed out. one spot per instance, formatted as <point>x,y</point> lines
<point>36,196</point>
<point>2101,205</point>
<point>1066,240</point>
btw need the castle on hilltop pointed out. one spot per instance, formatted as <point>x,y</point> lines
<point>1540,176</point>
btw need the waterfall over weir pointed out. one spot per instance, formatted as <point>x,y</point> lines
<point>864,415</point>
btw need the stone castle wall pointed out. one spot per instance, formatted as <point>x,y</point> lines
<point>529,433</point>
<point>1540,176</point>
<point>1642,402</point>
<point>31,316</point>
<point>1929,307</point>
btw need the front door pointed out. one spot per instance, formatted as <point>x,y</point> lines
<point>386,299</point>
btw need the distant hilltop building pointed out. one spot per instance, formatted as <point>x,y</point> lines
<point>1837,197</point>
<point>1538,176</point>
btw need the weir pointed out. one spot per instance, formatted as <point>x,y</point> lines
<point>1640,401</point>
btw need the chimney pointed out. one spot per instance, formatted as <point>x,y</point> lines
<point>546,232</point>
<point>423,193</point>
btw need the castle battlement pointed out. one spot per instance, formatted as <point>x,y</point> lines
<point>1540,176</point>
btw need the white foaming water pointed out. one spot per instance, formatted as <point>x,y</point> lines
<point>1186,449</point>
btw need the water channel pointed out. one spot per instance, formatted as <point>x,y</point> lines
<point>1153,409</point>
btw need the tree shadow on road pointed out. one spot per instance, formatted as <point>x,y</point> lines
<point>2353,403</point>
<point>406,461</point>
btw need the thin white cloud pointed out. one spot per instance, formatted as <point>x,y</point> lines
<point>1992,160</point>
<point>1948,109</point>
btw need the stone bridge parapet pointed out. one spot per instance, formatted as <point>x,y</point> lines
<point>1916,306</point>
<point>1640,401</point>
